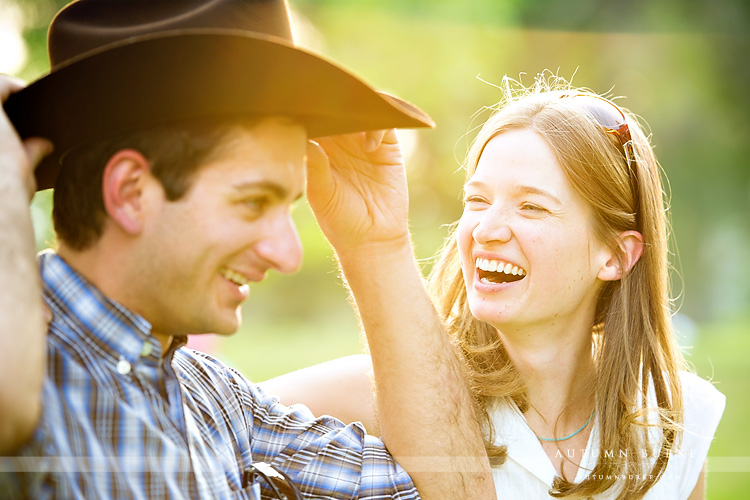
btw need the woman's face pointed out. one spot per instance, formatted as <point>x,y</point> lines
<point>525,238</point>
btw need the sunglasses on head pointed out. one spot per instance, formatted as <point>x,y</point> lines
<point>608,115</point>
<point>613,120</point>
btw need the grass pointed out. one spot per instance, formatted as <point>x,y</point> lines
<point>264,349</point>
<point>721,354</point>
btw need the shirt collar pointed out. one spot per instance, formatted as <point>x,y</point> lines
<point>84,315</point>
<point>512,430</point>
<point>523,447</point>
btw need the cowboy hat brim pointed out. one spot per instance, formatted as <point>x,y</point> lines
<point>193,74</point>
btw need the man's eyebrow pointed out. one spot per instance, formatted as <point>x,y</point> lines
<point>277,189</point>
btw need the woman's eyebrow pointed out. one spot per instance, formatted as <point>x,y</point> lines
<point>479,184</point>
<point>540,191</point>
<point>475,183</point>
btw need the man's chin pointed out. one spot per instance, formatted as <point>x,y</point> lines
<point>228,325</point>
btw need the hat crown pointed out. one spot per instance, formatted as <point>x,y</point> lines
<point>88,25</point>
<point>125,65</point>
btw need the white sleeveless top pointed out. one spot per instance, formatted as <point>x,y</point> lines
<point>528,472</point>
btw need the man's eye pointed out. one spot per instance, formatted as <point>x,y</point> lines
<point>257,204</point>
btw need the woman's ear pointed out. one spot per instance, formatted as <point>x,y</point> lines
<point>122,189</point>
<point>630,244</point>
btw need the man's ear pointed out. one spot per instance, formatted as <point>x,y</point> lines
<point>123,183</point>
<point>630,244</point>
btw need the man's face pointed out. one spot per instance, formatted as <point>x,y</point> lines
<point>199,253</point>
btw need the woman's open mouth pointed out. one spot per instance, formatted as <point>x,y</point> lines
<point>497,271</point>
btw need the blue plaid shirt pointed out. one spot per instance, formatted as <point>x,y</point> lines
<point>120,422</point>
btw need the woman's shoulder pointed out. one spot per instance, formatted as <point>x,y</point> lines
<point>703,403</point>
<point>698,383</point>
<point>703,406</point>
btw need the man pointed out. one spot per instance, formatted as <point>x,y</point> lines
<point>179,133</point>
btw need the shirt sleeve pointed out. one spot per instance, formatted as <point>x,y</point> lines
<point>322,456</point>
<point>704,406</point>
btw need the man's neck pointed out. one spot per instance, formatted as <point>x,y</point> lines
<point>105,272</point>
<point>100,267</point>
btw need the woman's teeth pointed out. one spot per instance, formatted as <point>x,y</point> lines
<point>497,271</point>
<point>500,267</point>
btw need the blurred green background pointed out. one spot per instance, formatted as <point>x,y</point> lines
<point>683,66</point>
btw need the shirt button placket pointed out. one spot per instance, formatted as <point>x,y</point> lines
<point>146,349</point>
<point>123,366</point>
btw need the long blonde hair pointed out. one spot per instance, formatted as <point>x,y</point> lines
<point>634,349</point>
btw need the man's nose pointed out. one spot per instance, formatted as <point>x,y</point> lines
<point>281,246</point>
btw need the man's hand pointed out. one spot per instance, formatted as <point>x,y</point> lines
<point>23,325</point>
<point>22,157</point>
<point>357,189</point>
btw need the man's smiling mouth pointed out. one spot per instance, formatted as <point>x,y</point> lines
<point>235,277</point>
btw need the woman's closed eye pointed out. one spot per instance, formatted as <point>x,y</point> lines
<point>474,201</point>
<point>533,208</point>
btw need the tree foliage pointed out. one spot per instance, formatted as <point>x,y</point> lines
<point>681,63</point>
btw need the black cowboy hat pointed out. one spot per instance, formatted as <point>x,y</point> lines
<point>122,65</point>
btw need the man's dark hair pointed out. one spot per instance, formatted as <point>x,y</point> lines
<point>175,153</point>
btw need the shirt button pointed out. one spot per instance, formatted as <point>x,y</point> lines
<point>146,350</point>
<point>123,366</point>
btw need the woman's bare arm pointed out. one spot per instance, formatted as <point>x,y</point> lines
<point>341,388</point>
<point>699,492</point>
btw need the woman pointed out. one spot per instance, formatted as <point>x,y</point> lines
<point>554,284</point>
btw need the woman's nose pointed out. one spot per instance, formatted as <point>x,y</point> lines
<point>492,227</point>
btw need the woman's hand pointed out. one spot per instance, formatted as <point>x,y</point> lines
<point>357,189</point>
